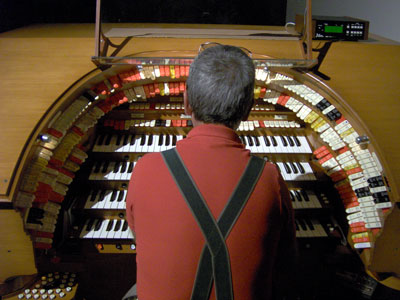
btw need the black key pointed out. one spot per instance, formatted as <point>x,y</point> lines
<point>116,167</point>
<point>110,225</point>
<point>93,195</point>
<point>119,139</point>
<point>98,224</point>
<point>302,225</point>
<point>291,142</point>
<point>150,141</point>
<point>108,139</point>
<point>102,195</point>
<point>296,140</point>
<point>249,141</point>
<point>167,140</point>
<point>266,140</point>
<point>130,168</point>
<point>143,140</point>
<point>298,196</point>
<point>114,195</point>
<point>90,225</point>
<point>120,196</point>
<point>101,140</point>
<point>310,224</point>
<point>256,141</point>
<point>291,196</point>
<point>273,140</point>
<point>294,168</point>
<point>242,139</point>
<point>305,196</point>
<point>105,167</point>
<point>300,167</point>
<point>125,140</point>
<point>123,167</point>
<point>283,141</point>
<point>278,167</point>
<point>125,226</point>
<point>97,168</point>
<point>161,140</point>
<point>288,171</point>
<point>133,139</point>
<point>173,140</point>
<point>117,225</point>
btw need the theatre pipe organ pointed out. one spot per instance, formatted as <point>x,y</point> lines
<point>79,166</point>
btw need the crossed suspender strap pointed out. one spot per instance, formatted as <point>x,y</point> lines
<point>214,262</point>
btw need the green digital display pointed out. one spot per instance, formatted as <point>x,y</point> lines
<point>333,29</point>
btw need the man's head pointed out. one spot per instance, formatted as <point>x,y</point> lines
<point>220,86</point>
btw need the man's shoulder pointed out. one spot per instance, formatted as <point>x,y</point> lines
<point>149,160</point>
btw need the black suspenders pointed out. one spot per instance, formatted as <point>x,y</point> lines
<point>214,261</point>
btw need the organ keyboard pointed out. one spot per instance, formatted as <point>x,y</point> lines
<point>106,229</point>
<point>135,143</point>
<point>311,228</point>
<point>106,199</point>
<point>304,199</point>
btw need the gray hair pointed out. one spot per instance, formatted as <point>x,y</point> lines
<point>220,86</point>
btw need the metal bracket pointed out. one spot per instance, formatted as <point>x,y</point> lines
<point>102,43</point>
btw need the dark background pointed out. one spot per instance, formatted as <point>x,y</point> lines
<point>17,13</point>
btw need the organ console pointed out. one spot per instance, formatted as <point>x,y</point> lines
<point>71,187</point>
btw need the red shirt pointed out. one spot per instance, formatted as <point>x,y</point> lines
<point>169,241</point>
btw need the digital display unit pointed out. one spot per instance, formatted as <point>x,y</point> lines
<point>335,28</point>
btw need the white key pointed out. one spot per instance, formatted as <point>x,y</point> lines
<point>110,199</point>
<point>99,202</point>
<point>97,233</point>
<point>262,148</point>
<point>320,231</point>
<point>119,143</point>
<point>266,142</point>
<point>115,174</point>
<point>130,234</point>
<point>85,232</point>
<point>124,171</point>
<point>144,144</point>
<point>116,228</point>
<point>125,231</point>
<point>154,147</point>
<point>89,234</point>
<point>104,233</point>
<point>91,199</point>
<point>122,202</point>
<point>112,146</point>
<point>274,144</point>
<point>295,203</point>
<point>103,171</point>
<point>93,171</point>
<point>114,203</point>
<point>314,201</point>
<point>110,233</point>
<point>118,233</point>
<point>305,147</point>
<point>99,142</point>
<point>309,172</point>
<point>135,142</point>
<point>281,147</point>
<point>109,175</point>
